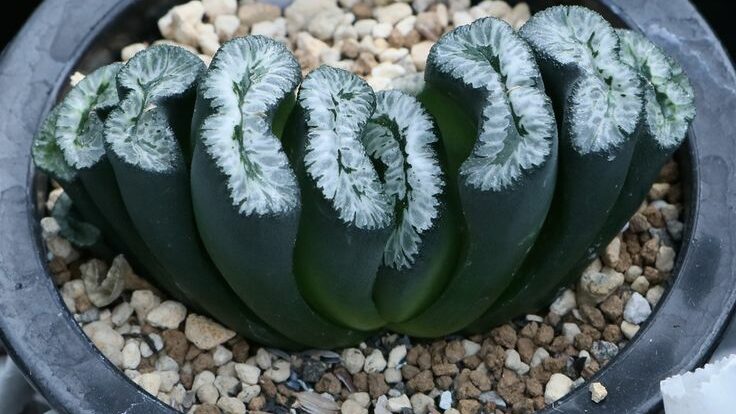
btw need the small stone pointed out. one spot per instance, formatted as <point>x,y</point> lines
<point>102,287</point>
<point>397,404</point>
<point>640,284</point>
<point>396,356</point>
<point>222,356</point>
<point>301,12</point>
<point>468,406</point>
<point>143,301</point>
<point>107,340</point>
<point>252,13</point>
<point>392,375</point>
<point>598,392</point>
<point>62,249</point>
<point>461,18</point>
<point>322,26</point>
<point>654,294</point>
<point>422,382</point>
<point>612,253</point>
<point>445,400</point>
<point>470,348</point>
<point>557,387</point>
<point>595,287</point>
<point>421,403</point>
<point>513,362</point>
<point>665,259</point>
<point>208,394</point>
<point>632,273</point>
<point>166,363</point>
<point>279,372</point>
<point>249,374</point>
<point>249,392</point>
<point>603,350</point>
<point>569,331</point>
<point>121,313</point>
<point>352,407</point>
<point>365,27</point>
<point>215,8</point>
<point>629,329</point>
<point>202,379</point>
<point>539,356</point>
<point>231,405</point>
<point>381,30</point>
<point>274,29</point>
<point>393,13</point>
<point>205,333</point>
<point>375,362</point>
<point>131,355</point>
<point>263,358</point>
<point>377,385</point>
<point>150,382</point>
<point>130,50</point>
<point>167,315</point>
<point>637,309</point>
<point>168,380</point>
<point>505,336</point>
<point>564,303</point>
<point>362,398</point>
<point>226,26</point>
<point>226,384</point>
<point>353,360</point>
<point>419,54</point>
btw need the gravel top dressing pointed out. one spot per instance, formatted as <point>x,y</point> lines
<point>198,366</point>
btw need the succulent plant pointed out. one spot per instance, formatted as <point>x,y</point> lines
<point>312,212</point>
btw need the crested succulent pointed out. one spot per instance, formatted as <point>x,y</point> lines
<point>312,212</point>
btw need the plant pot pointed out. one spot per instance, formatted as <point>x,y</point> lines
<point>50,348</point>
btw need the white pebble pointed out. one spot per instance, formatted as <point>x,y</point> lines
<point>121,313</point>
<point>471,348</point>
<point>392,375</point>
<point>461,18</point>
<point>263,358</point>
<point>557,387</point>
<point>375,362</point>
<point>208,394</point>
<point>143,301</point>
<point>392,55</point>
<point>109,342</point>
<point>131,356</point>
<point>207,39</point>
<point>63,249</point>
<point>564,303</point>
<point>222,356</point>
<point>595,287</point>
<point>226,26</point>
<point>202,379</point>
<point>353,360</point>
<point>640,284</point>
<point>569,331</point>
<point>168,380</point>
<point>226,384</point>
<point>205,333</point>
<point>249,392</point>
<point>421,403</point>
<point>654,294</point>
<point>279,371</point>
<point>231,405</point>
<point>540,354</point>
<point>381,30</point>
<point>393,13</point>
<point>513,362</point>
<point>665,259</point>
<point>167,315</point>
<point>387,71</point>
<point>249,374</point>
<point>598,392</point>
<point>166,363</point>
<point>150,382</point>
<point>396,356</point>
<point>274,29</point>
<point>215,8</point>
<point>365,27</point>
<point>446,400</point>
<point>419,54</point>
<point>397,404</point>
<point>637,309</point>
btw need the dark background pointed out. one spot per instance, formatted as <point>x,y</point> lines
<point>718,12</point>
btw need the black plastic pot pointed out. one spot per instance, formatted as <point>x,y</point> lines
<point>49,347</point>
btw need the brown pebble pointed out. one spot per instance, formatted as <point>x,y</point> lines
<point>377,385</point>
<point>533,387</point>
<point>654,217</point>
<point>674,196</point>
<point>350,48</point>
<point>555,365</point>
<point>268,387</point>
<point>362,11</point>
<point>529,330</point>
<point>481,379</point>
<point>505,336</point>
<point>612,333</point>
<point>583,341</point>
<point>472,361</point>
<point>539,403</point>
<point>409,371</point>
<point>360,381</point>
<point>639,223</point>
<point>330,384</point>
<point>207,409</point>
<point>444,383</point>
<point>612,308</point>
<point>539,374</point>
<point>593,315</point>
<point>422,382</point>
<point>558,344</point>
<point>412,355</point>
<point>186,378</point>
<point>510,388</point>
<point>468,406</point>
<point>240,351</point>
<point>445,369</point>
<point>175,344</point>
<point>525,406</point>
<point>670,173</point>
<point>591,369</point>
<point>424,361</point>
<point>467,390</point>
<point>257,403</point>
<point>192,353</point>
<point>553,319</point>
<point>649,251</point>
<point>455,352</point>
<point>203,362</point>
<point>526,349</point>
<point>495,358</point>
<point>654,276</point>
<point>545,335</point>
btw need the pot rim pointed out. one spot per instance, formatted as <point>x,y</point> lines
<point>74,376</point>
